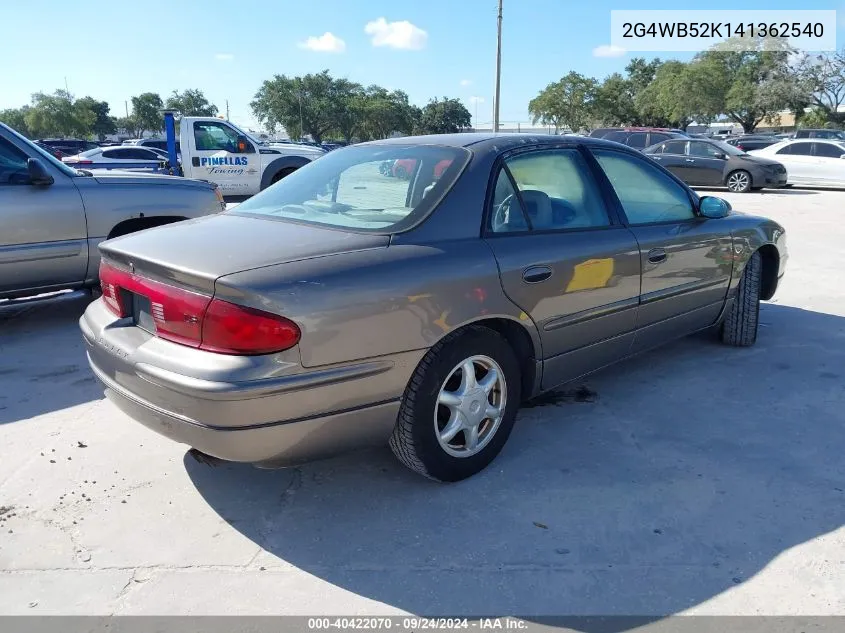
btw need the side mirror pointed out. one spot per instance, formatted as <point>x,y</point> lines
<point>713,207</point>
<point>38,174</point>
<point>720,155</point>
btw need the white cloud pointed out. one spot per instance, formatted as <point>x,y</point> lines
<point>224,57</point>
<point>326,43</point>
<point>608,50</point>
<point>466,82</point>
<point>402,35</point>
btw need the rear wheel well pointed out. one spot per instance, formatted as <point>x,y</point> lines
<point>771,263</point>
<point>522,345</point>
<point>139,224</point>
<point>287,171</point>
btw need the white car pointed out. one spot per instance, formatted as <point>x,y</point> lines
<point>118,154</point>
<point>811,162</point>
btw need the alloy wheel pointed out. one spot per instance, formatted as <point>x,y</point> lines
<point>470,406</point>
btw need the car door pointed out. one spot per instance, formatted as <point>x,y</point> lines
<point>686,259</point>
<point>569,264</point>
<point>830,168</point>
<point>43,234</point>
<point>674,158</point>
<point>706,164</point>
<point>217,154</point>
<point>799,162</point>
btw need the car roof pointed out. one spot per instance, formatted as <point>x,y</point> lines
<point>833,141</point>
<point>486,141</point>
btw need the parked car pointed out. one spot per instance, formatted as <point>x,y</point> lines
<point>156,143</point>
<point>750,142</point>
<point>68,146</point>
<point>814,163</point>
<point>638,138</point>
<point>835,135</point>
<point>55,152</point>
<point>53,217</point>
<point>346,313</point>
<point>710,163</point>
<point>119,154</point>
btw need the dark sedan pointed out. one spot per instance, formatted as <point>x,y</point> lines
<point>751,142</point>
<point>350,309</point>
<point>707,163</point>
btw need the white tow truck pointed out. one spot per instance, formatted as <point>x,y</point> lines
<point>240,165</point>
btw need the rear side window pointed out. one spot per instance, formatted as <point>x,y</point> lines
<point>637,140</point>
<point>828,150</point>
<point>801,149</point>
<point>13,170</point>
<point>658,137</point>
<point>617,136</point>
<point>557,191</point>
<point>647,194</point>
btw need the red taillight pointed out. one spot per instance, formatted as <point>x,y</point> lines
<point>233,329</point>
<point>194,319</point>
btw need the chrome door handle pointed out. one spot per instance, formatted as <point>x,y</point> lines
<point>657,256</point>
<point>690,160</point>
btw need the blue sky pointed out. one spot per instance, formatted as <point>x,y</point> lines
<point>113,50</point>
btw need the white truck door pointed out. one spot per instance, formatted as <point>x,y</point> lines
<point>220,153</point>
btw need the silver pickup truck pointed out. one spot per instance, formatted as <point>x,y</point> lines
<point>53,217</point>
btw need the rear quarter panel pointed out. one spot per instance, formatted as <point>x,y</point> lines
<point>748,234</point>
<point>379,301</point>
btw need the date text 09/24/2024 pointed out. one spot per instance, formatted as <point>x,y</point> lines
<point>414,623</point>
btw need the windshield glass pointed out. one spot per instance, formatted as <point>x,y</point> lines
<point>45,155</point>
<point>374,188</point>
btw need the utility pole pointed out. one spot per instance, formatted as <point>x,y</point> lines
<point>498,71</point>
<point>300,114</point>
<point>227,109</point>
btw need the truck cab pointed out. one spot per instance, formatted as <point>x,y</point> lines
<point>216,150</point>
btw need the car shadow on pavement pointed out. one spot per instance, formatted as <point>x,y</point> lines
<point>691,470</point>
<point>42,358</point>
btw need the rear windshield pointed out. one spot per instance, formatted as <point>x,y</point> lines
<point>371,188</point>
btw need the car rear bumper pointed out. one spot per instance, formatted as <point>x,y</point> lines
<point>266,410</point>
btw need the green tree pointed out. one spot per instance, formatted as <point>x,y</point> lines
<point>58,115</point>
<point>815,118</point>
<point>681,93</point>
<point>825,79</point>
<point>103,123</point>
<point>302,105</point>
<point>191,102</point>
<point>383,112</point>
<point>614,102</point>
<point>758,80</point>
<point>15,118</point>
<point>129,125</point>
<point>146,113</point>
<point>444,116</point>
<point>569,102</point>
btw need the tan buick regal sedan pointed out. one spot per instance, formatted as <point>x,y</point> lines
<point>354,303</point>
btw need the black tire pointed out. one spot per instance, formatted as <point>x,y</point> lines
<point>414,440</point>
<point>738,181</point>
<point>740,325</point>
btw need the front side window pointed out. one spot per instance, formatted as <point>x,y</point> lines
<point>356,188</point>
<point>557,190</point>
<point>828,150</point>
<point>647,194</point>
<point>212,136</point>
<point>13,169</point>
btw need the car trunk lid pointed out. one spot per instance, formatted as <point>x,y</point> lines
<point>194,253</point>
